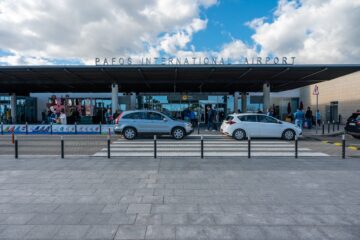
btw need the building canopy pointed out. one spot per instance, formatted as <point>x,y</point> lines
<point>165,78</point>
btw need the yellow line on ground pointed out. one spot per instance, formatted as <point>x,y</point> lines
<point>325,141</point>
<point>352,147</point>
<point>338,144</point>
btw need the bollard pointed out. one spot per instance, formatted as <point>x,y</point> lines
<point>108,146</point>
<point>62,147</point>
<point>13,137</point>
<point>109,132</point>
<point>333,125</point>
<point>100,128</point>
<point>51,130</point>
<point>198,127</point>
<point>202,146</point>
<point>323,128</point>
<point>75,128</point>
<point>26,128</point>
<point>16,148</point>
<point>249,147</point>
<point>328,126</point>
<point>2,128</point>
<point>296,146</point>
<point>343,146</point>
<point>155,147</point>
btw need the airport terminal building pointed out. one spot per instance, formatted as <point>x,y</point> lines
<point>29,93</point>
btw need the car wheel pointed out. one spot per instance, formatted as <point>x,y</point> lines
<point>129,133</point>
<point>288,134</point>
<point>178,133</point>
<point>239,134</point>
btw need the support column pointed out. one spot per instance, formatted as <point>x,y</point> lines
<point>266,96</point>
<point>114,97</point>
<point>243,102</point>
<point>13,107</point>
<point>236,105</point>
<point>133,101</point>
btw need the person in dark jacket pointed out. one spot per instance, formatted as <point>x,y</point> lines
<point>309,117</point>
<point>211,115</point>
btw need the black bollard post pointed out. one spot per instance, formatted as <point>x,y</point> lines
<point>249,147</point>
<point>108,146</point>
<point>333,125</point>
<point>155,150</point>
<point>296,146</point>
<point>202,146</point>
<point>26,128</point>
<point>323,128</point>
<point>16,148</point>
<point>100,128</point>
<point>328,126</point>
<point>2,128</point>
<point>51,130</point>
<point>75,128</point>
<point>198,127</point>
<point>62,147</point>
<point>343,146</point>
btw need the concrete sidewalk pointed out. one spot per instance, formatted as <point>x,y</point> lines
<point>179,198</point>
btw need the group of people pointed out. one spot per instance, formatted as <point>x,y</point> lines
<point>307,119</point>
<point>60,117</point>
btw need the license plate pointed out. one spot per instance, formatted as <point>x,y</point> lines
<point>352,124</point>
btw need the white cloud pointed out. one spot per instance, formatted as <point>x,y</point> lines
<point>37,32</point>
<point>315,31</point>
<point>86,29</point>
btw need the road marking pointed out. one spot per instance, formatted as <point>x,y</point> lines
<point>212,148</point>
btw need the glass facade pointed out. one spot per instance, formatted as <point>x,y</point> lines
<point>25,109</point>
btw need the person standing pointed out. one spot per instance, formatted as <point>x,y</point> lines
<point>108,116</point>
<point>309,117</point>
<point>299,118</point>
<point>62,117</point>
<point>116,114</point>
<point>192,117</point>
<point>211,118</point>
<point>318,117</point>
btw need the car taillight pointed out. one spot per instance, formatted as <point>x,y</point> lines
<point>230,122</point>
<point>118,118</point>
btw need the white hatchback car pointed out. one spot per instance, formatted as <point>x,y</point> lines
<point>242,125</point>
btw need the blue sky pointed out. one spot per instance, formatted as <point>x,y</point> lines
<point>36,32</point>
<point>227,21</point>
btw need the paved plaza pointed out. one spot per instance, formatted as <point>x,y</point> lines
<point>44,197</point>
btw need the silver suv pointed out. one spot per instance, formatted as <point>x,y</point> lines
<point>132,123</point>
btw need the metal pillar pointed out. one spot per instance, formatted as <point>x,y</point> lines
<point>236,100</point>
<point>114,97</point>
<point>243,102</point>
<point>266,96</point>
<point>13,107</point>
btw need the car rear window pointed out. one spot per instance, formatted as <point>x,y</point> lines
<point>354,116</point>
<point>229,118</point>
<point>248,118</point>
<point>134,115</point>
